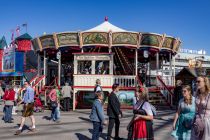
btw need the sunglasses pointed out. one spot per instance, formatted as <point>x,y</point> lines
<point>198,81</point>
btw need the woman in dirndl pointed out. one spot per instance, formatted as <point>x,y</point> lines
<point>184,116</point>
<point>142,122</point>
<point>202,102</point>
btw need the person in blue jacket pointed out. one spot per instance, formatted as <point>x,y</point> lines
<point>97,116</point>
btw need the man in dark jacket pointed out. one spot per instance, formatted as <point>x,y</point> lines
<point>113,111</point>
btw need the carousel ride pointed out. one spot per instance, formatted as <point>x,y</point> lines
<point>105,52</point>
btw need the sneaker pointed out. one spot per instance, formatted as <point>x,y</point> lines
<point>18,132</point>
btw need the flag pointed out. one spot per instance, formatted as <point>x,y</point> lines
<point>3,43</point>
<point>18,31</point>
<point>12,38</point>
<point>24,24</point>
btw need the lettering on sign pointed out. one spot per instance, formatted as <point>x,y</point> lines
<point>87,57</point>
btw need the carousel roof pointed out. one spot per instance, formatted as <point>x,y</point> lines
<point>106,27</point>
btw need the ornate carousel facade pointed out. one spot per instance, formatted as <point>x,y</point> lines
<point>105,52</point>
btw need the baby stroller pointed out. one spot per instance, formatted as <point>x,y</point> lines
<point>38,107</point>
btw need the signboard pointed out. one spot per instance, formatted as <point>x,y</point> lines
<point>91,57</point>
<point>68,39</point>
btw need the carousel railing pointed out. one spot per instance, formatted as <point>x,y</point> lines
<point>125,81</point>
<point>33,80</point>
<point>165,91</point>
<point>88,81</point>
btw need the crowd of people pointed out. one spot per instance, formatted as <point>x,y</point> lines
<point>191,121</point>
<point>141,124</point>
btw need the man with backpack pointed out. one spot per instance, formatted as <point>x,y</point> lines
<point>98,86</point>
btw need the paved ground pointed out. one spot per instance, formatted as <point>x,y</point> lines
<point>76,126</point>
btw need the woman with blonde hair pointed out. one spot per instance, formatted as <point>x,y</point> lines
<point>184,116</point>
<point>201,125</point>
<point>141,124</point>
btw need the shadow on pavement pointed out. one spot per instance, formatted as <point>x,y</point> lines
<point>25,127</point>
<point>103,135</point>
<point>82,137</point>
<point>85,119</point>
<point>46,118</point>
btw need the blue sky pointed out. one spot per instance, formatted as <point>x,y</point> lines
<point>187,19</point>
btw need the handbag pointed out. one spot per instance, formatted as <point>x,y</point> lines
<point>187,123</point>
<point>199,124</point>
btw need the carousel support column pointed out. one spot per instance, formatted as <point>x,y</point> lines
<point>136,64</point>
<point>157,63</point>
<point>174,72</point>
<point>110,50</point>
<point>93,67</point>
<point>171,72</point>
<point>111,64</point>
<point>45,67</point>
<point>45,73</point>
<point>149,71</point>
<point>38,64</point>
<point>59,67</point>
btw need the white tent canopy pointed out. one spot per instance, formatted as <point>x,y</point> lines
<point>106,27</point>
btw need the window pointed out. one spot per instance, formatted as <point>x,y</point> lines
<point>84,67</point>
<point>102,67</point>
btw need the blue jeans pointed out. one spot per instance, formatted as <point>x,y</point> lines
<point>8,113</point>
<point>55,114</point>
<point>97,130</point>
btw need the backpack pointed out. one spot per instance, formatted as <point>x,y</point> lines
<point>96,88</point>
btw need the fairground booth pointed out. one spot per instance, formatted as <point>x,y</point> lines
<point>108,53</point>
<point>13,59</point>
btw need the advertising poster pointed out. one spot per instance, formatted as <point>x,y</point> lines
<point>9,61</point>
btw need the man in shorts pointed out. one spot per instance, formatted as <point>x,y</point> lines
<point>28,100</point>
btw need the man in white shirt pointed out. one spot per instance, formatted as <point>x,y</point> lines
<point>66,92</point>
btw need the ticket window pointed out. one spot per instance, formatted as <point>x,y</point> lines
<point>84,67</point>
<point>102,67</point>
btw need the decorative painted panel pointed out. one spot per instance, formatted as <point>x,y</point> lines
<point>150,40</point>
<point>95,38</point>
<point>168,43</point>
<point>176,46</point>
<point>47,41</point>
<point>124,38</point>
<point>68,39</point>
<point>35,45</point>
